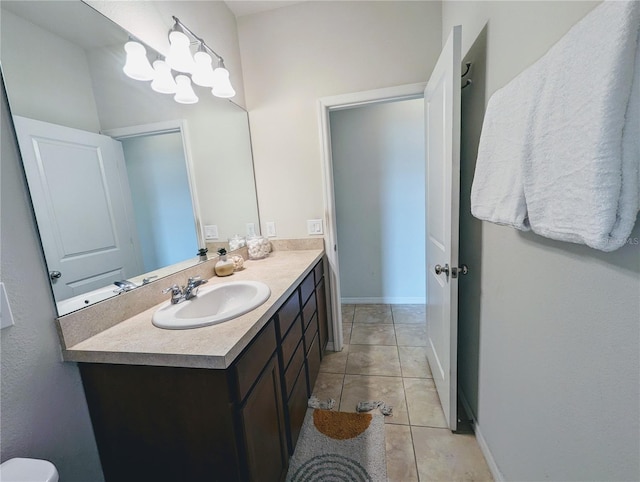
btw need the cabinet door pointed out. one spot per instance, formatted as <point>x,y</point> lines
<point>263,425</point>
<point>323,322</point>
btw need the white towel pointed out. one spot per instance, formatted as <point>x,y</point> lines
<point>559,150</point>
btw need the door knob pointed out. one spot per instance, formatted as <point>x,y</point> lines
<point>442,269</point>
<point>54,275</point>
<point>462,270</point>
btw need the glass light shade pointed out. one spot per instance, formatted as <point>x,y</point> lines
<point>184,92</point>
<point>221,84</point>
<point>137,65</point>
<point>163,81</point>
<point>179,57</point>
<point>202,72</point>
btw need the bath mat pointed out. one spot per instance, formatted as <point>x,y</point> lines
<point>339,446</point>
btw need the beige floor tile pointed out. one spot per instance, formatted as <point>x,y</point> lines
<point>409,314</point>
<point>443,456</point>
<point>329,385</point>
<point>335,361</point>
<point>373,360</point>
<point>373,334</point>
<point>373,314</point>
<point>423,403</point>
<point>347,313</point>
<point>413,362</point>
<point>358,388</point>
<point>346,333</point>
<point>411,335</point>
<point>401,462</point>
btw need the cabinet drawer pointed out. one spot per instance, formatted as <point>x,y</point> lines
<point>319,271</point>
<point>290,341</point>
<point>309,310</point>
<point>292,370</point>
<point>306,287</point>
<point>313,364</point>
<point>288,313</point>
<point>310,333</point>
<point>297,407</point>
<point>253,360</point>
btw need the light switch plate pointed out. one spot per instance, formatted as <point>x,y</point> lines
<point>314,226</point>
<point>251,229</point>
<point>271,229</point>
<point>211,232</point>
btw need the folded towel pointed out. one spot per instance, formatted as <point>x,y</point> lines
<point>559,150</point>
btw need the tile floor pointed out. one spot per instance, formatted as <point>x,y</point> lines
<point>384,359</point>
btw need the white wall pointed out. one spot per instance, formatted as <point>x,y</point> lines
<point>558,324</point>
<point>295,55</point>
<point>44,413</point>
<point>66,98</point>
<point>379,187</point>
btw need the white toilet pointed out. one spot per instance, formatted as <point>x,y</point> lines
<point>28,470</point>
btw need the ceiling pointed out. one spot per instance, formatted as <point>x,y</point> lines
<point>248,7</point>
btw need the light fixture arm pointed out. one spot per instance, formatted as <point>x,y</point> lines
<point>202,42</point>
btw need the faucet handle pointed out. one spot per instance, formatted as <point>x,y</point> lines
<point>174,289</point>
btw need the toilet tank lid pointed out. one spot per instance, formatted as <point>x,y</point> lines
<point>28,470</point>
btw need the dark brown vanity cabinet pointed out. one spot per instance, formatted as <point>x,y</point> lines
<point>240,424</point>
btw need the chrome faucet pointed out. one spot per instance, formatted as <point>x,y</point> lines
<point>178,294</point>
<point>193,285</point>
<point>124,285</point>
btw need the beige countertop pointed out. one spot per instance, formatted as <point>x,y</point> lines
<point>135,341</point>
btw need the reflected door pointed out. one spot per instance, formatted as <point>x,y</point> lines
<point>82,204</point>
<point>442,124</point>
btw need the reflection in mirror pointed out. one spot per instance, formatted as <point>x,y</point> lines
<point>123,179</point>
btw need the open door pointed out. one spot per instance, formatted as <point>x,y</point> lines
<point>442,125</point>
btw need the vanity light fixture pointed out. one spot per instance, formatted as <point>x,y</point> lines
<point>182,62</point>
<point>179,57</point>
<point>163,82</point>
<point>184,91</point>
<point>137,65</point>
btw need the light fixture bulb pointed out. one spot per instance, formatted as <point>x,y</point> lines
<point>179,57</point>
<point>137,65</point>
<point>202,71</point>
<point>163,81</point>
<point>221,83</point>
<point>184,91</point>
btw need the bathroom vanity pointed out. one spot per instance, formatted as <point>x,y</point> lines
<point>221,403</point>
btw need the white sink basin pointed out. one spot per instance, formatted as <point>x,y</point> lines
<point>214,304</point>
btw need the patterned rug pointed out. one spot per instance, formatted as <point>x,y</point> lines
<point>339,446</point>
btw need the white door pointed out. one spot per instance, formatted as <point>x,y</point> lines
<point>442,124</point>
<point>82,204</point>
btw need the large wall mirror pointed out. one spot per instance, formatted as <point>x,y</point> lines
<point>123,179</point>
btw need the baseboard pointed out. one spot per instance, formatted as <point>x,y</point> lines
<point>385,300</point>
<point>482,443</point>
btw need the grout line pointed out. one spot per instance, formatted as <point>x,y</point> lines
<point>415,455</point>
